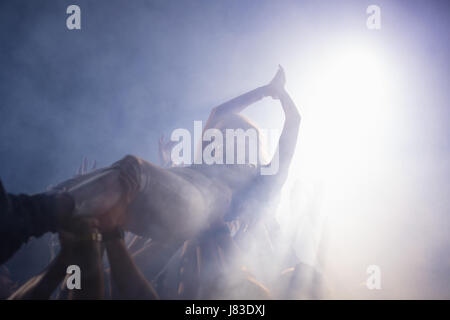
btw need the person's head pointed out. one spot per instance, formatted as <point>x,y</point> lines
<point>240,137</point>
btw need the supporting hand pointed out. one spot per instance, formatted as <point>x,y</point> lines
<point>165,148</point>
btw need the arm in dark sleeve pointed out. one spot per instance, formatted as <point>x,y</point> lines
<point>25,216</point>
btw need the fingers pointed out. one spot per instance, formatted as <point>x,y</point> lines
<point>85,165</point>
<point>280,74</point>
<point>171,144</point>
<point>66,237</point>
<point>81,225</point>
<point>278,82</point>
<point>4,203</point>
<point>165,145</point>
<point>79,229</point>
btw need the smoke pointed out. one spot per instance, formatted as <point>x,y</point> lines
<point>137,70</point>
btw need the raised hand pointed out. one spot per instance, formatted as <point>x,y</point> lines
<point>165,148</point>
<point>276,86</point>
<point>84,167</point>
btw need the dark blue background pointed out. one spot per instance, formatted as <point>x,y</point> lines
<point>138,68</point>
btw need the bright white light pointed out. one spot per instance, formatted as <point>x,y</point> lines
<point>344,94</point>
<point>347,115</point>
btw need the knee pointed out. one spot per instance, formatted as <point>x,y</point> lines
<point>130,168</point>
<point>129,158</point>
<point>129,162</point>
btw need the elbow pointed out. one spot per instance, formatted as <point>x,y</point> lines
<point>292,115</point>
<point>215,112</point>
<point>296,118</point>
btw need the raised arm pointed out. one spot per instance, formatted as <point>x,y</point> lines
<point>129,280</point>
<point>236,105</point>
<point>43,285</point>
<point>288,138</point>
<point>78,247</point>
<point>289,135</point>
